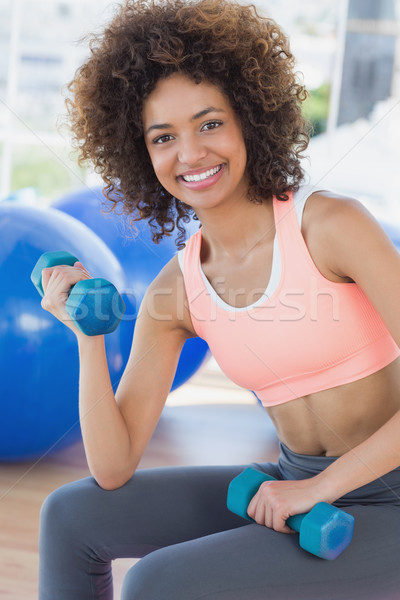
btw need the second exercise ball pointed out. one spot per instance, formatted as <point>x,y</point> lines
<point>38,354</point>
<point>140,258</point>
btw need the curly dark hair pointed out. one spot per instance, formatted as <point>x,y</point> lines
<point>218,41</point>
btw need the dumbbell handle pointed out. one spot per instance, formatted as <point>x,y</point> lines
<point>251,479</point>
<point>294,521</point>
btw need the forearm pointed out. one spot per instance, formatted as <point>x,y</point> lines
<point>373,458</point>
<point>104,431</point>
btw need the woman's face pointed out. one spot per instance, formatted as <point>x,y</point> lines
<point>195,142</point>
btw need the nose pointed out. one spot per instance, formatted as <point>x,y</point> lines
<point>191,150</point>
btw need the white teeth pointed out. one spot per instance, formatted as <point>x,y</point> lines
<point>202,176</point>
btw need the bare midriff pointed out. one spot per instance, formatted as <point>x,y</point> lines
<point>333,421</point>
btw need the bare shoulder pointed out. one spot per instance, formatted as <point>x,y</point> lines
<point>166,299</point>
<point>338,228</point>
<point>325,206</point>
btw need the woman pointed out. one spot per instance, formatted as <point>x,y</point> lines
<point>195,109</point>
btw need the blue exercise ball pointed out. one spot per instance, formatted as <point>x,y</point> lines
<point>38,354</point>
<point>140,258</point>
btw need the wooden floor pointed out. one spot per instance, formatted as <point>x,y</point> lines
<point>206,421</point>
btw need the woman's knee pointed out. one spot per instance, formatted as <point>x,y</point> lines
<point>172,573</point>
<point>155,576</point>
<point>64,510</point>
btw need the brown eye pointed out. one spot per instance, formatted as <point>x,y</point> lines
<point>162,139</point>
<point>211,125</point>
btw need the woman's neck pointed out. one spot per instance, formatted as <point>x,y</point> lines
<point>232,236</point>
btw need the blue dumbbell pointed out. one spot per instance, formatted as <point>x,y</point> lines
<point>324,531</point>
<point>94,305</point>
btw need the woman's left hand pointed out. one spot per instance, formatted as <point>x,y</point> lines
<point>276,501</point>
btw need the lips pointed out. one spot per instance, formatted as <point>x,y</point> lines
<point>201,175</point>
<point>202,178</point>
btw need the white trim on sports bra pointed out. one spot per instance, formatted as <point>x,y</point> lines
<point>300,198</point>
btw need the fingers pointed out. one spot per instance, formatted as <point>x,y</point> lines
<point>268,511</point>
<point>57,282</point>
<point>69,275</point>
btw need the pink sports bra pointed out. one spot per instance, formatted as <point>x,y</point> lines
<point>305,334</point>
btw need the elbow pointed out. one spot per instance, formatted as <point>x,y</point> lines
<point>113,482</point>
<point>110,485</point>
<point>115,473</point>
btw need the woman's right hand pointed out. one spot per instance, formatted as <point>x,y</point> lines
<point>57,283</point>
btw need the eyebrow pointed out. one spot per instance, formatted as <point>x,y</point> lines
<point>198,115</point>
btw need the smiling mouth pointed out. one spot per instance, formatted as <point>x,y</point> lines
<point>202,176</point>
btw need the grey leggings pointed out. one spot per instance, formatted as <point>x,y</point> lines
<point>194,548</point>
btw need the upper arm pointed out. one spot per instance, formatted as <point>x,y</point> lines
<point>159,335</point>
<point>360,249</point>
